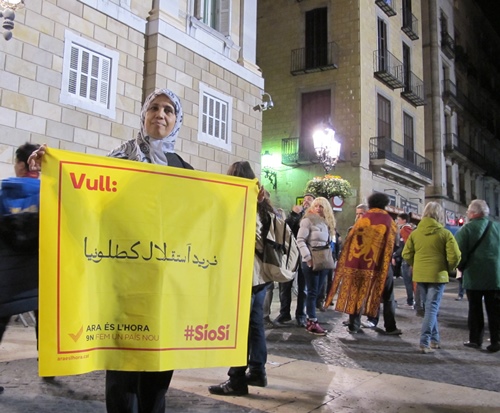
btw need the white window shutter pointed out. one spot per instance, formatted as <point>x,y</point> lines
<point>89,76</point>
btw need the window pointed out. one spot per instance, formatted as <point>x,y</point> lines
<point>315,110</point>
<point>407,15</point>
<point>382,45</point>
<point>449,181</point>
<point>214,13</point>
<point>89,76</point>
<point>384,117</point>
<point>406,66</point>
<point>409,138</point>
<point>214,122</point>
<point>316,38</point>
<point>444,22</point>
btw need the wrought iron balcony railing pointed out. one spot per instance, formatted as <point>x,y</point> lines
<point>388,69</point>
<point>388,6</point>
<point>293,154</point>
<point>454,144</point>
<point>447,45</point>
<point>414,89</point>
<point>382,147</point>
<point>410,26</point>
<point>314,59</point>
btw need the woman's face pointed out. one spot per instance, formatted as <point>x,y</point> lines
<point>318,209</point>
<point>160,117</point>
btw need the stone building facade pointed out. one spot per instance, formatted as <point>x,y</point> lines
<point>358,66</point>
<point>75,73</point>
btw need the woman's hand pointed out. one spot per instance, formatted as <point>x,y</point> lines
<point>262,194</point>
<point>35,159</point>
<point>310,263</point>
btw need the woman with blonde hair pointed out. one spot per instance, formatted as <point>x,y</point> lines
<point>317,229</point>
<point>432,252</point>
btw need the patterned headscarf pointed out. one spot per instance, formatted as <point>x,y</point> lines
<point>146,149</point>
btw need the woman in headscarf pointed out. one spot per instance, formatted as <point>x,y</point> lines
<point>161,119</point>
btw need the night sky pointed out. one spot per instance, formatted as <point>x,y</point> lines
<point>492,10</point>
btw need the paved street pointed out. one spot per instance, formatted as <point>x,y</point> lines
<point>366,372</point>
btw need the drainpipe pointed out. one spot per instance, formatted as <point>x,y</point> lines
<point>437,144</point>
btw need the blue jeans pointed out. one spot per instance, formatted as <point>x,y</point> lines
<point>314,283</point>
<point>257,348</point>
<point>431,294</point>
<point>407,278</point>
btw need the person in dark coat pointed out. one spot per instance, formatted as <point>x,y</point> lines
<point>481,275</point>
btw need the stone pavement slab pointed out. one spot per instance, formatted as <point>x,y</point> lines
<point>366,372</point>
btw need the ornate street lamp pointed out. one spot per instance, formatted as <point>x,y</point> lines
<point>326,147</point>
<point>8,14</point>
<point>269,173</point>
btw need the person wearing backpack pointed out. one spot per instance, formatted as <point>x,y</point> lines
<point>239,378</point>
<point>317,229</point>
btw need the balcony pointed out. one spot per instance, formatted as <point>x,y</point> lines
<point>451,96</point>
<point>447,45</point>
<point>410,26</point>
<point>311,60</point>
<point>387,6</point>
<point>460,151</point>
<point>388,69</point>
<point>414,90</point>
<point>393,161</point>
<point>294,154</point>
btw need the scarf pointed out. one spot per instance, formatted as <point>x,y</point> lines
<point>146,149</point>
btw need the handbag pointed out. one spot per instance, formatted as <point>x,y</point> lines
<point>322,258</point>
<point>463,262</point>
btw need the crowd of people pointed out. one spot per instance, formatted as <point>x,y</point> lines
<point>376,249</point>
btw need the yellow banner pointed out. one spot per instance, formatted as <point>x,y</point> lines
<point>142,267</point>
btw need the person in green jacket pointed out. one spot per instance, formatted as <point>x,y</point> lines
<point>432,251</point>
<point>481,275</point>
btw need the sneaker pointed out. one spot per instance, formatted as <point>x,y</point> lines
<point>258,380</point>
<point>282,318</point>
<point>352,331</point>
<point>301,321</point>
<point>367,324</point>
<point>426,350</point>
<point>459,298</point>
<point>395,332</point>
<point>313,327</point>
<point>493,348</point>
<point>435,345</point>
<point>407,306</point>
<point>229,389</point>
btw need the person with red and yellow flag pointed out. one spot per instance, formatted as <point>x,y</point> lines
<point>363,278</point>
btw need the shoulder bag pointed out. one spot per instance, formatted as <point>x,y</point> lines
<point>322,257</point>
